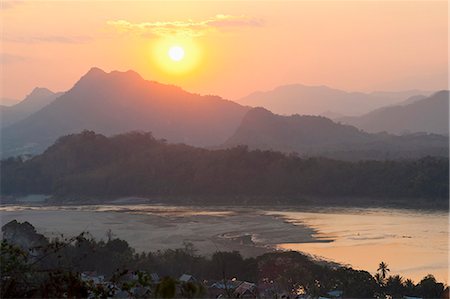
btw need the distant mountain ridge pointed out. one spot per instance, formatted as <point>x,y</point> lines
<point>7,102</point>
<point>118,102</point>
<point>417,114</point>
<point>320,100</point>
<point>36,100</point>
<point>316,135</point>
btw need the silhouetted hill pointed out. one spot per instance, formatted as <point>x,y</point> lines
<point>116,102</point>
<point>36,100</point>
<point>430,114</point>
<point>136,164</point>
<point>322,100</point>
<point>8,102</point>
<point>316,135</point>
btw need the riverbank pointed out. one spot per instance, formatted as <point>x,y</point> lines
<point>413,242</point>
<point>239,201</point>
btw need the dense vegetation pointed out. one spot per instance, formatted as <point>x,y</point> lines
<point>33,266</point>
<point>136,164</point>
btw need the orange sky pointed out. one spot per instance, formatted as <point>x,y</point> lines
<point>239,47</point>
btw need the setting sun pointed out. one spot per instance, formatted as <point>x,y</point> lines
<point>176,53</point>
<point>147,147</point>
<point>176,56</point>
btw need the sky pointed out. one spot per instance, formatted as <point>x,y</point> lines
<point>231,48</point>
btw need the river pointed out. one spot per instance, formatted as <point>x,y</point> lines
<point>412,242</point>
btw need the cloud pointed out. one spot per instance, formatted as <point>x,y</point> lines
<point>7,4</point>
<point>48,39</point>
<point>187,28</point>
<point>6,58</point>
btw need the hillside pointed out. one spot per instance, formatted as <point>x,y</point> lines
<point>136,164</point>
<point>117,102</point>
<point>36,100</point>
<point>430,114</point>
<point>316,135</point>
<point>322,100</point>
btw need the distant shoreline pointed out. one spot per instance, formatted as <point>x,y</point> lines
<point>241,201</point>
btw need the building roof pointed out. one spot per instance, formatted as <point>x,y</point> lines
<point>186,278</point>
<point>335,293</point>
<point>245,287</point>
<point>230,284</point>
<point>154,277</point>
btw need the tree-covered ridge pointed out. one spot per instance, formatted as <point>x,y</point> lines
<point>137,164</point>
<point>319,136</point>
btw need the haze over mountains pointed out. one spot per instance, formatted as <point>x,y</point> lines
<point>118,102</point>
<point>417,114</point>
<point>323,100</point>
<point>317,135</point>
<point>7,102</point>
<point>36,100</point>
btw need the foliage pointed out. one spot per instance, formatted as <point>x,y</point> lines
<point>136,164</point>
<point>54,271</point>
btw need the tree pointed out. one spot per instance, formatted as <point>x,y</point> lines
<point>395,287</point>
<point>409,287</point>
<point>166,288</point>
<point>428,287</point>
<point>383,270</point>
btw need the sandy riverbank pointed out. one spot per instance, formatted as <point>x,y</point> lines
<point>150,228</point>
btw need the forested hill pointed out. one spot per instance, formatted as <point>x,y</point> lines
<point>136,164</point>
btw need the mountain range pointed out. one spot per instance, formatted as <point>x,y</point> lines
<point>117,102</point>
<point>317,135</point>
<point>426,114</point>
<point>7,102</point>
<point>322,100</point>
<point>36,100</point>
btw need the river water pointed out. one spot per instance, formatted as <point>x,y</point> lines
<point>413,243</point>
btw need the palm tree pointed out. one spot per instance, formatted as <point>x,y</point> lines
<point>395,287</point>
<point>383,270</point>
<point>378,279</point>
<point>409,287</point>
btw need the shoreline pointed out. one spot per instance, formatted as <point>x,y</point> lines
<point>318,232</point>
<point>237,201</point>
<point>156,227</point>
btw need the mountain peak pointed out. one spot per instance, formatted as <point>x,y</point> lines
<point>94,71</point>
<point>40,92</point>
<point>96,75</point>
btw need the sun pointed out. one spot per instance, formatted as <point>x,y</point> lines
<point>176,53</point>
<point>177,56</point>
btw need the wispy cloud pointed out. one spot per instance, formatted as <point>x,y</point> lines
<point>47,39</point>
<point>7,4</point>
<point>6,58</point>
<point>189,28</point>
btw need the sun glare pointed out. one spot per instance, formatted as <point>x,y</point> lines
<point>176,56</point>
<point>176,53</point>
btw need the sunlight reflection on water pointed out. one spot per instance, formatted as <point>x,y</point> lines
<point>413,243</point>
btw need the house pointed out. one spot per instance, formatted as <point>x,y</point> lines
<point>223,288</point>
<point>89,276</point>
<point>246,290</point>
<point>335,294</point>
<point>154,277</point>
<point>185,278</point>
